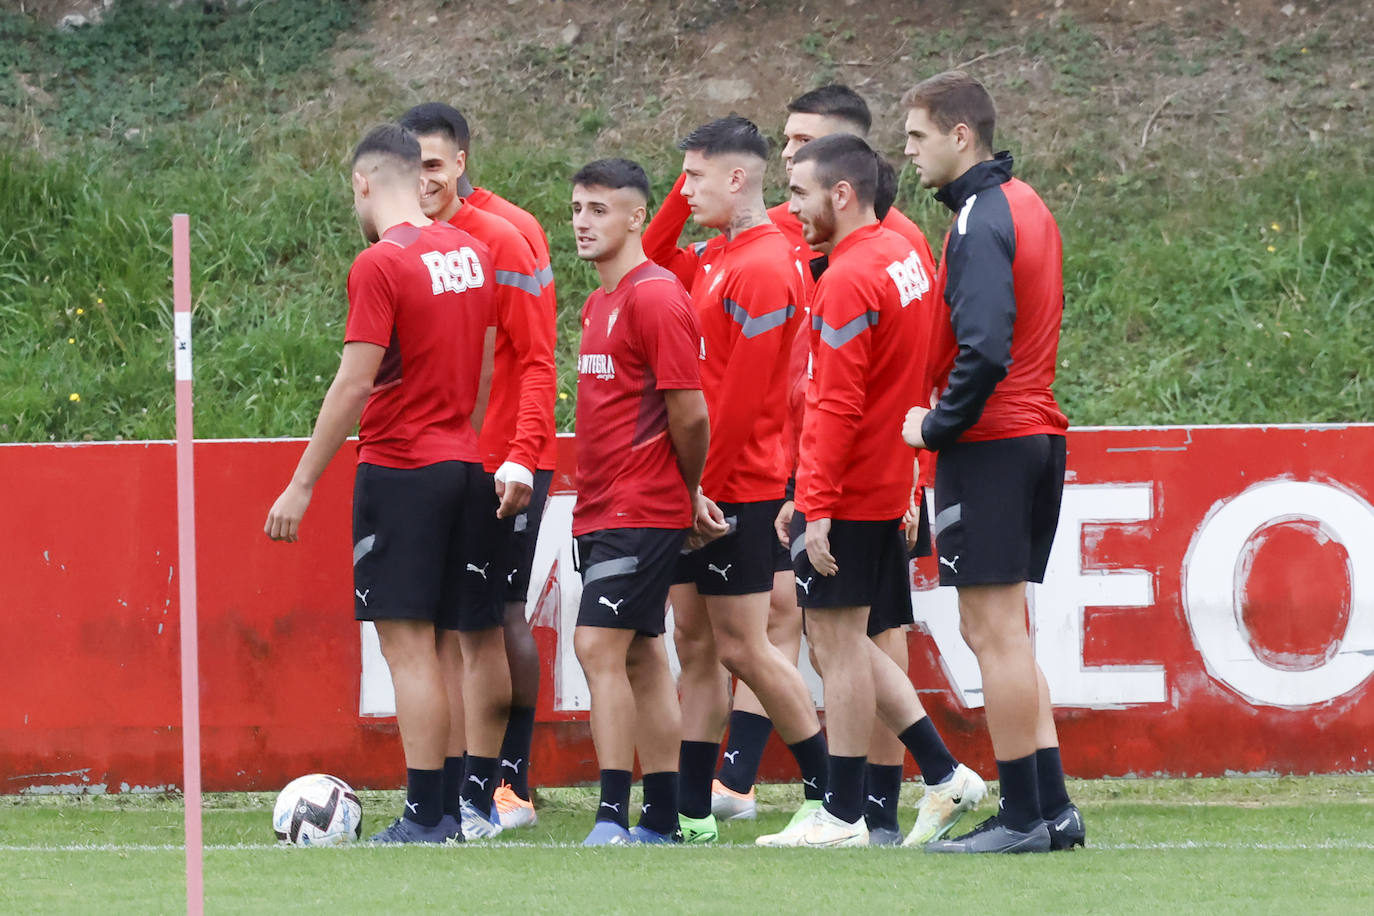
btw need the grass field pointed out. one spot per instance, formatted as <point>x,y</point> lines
<point>1271,845</point>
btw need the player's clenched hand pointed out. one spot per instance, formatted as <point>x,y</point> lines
<point>911,429</point>
<point>284,520</point>
<point>783,523</point>
<point>514,496</point>
<point>818,546</point>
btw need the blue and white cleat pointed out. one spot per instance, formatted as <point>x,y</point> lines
<point>607,833</point>
<point>476,826</point>
<point>640,834</point>
<point>407,831</point>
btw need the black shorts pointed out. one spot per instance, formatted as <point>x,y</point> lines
<point>427,545</point>
<point>874,571</point>
<point>626,573</point>
<point>997,508</point>
<point>524,539</point>
<point>740,563</point>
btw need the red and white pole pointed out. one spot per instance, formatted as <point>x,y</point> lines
<point>186,560</point>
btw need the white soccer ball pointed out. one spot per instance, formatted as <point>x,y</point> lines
<point>318,810</point>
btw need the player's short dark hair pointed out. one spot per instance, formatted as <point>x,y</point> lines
<point>845,157</point>
<point>834,101</point>
<point>954,97</point>
<point>885,193</point>
<point>614,174</point>
<point>732,134</point>
<point>437,118</point>
<point>392,141</point>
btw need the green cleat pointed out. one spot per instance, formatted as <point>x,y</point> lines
<point>698,829</point>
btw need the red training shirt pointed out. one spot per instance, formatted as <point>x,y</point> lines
<point>525,223</point>
<point>425,294</point>
<point>748,294</point>
<point>519,420</point>
<point>791,227</point>
<point>638,341</point>
<point>871,325</point>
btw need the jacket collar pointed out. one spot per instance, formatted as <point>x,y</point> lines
<point>985,174</point>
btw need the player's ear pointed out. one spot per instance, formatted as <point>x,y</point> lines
<point>841,194</point>
<point>461,159</point>
<point>963,136</point>
<point>637,217</point>
<point>360,187</point>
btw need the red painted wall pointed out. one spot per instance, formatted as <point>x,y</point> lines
<point>89,690</point>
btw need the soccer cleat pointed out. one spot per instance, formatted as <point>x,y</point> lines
<point>1066,830</point>
<point>513,810</point>
<point>943,804</point>
<point>884,836</point>
<point>607,833</point>
<point>729,805</point>
<point>993,836</point>
<point>641,834</point>
<point>403,830</point>
<point>818,828</point>
<point>697,830</point>
<point>808,807</point>
<point>476,826</point>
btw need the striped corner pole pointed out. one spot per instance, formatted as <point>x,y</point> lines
<point>186,560</point>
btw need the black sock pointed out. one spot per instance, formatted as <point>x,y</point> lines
<point>480,783</point>
<point>739,765</point>
<point>845,797</point>
<point>813,759</point>
<point>615,798</point>
<point>1020,805</point>
<point>1049,779</point>
<point>659,812</point>
<point>424,796</point>
<point>455,768</point>
<point>696,763</point>
<point>515,750</point>
<point>882,786</point>
<point>932,757</point>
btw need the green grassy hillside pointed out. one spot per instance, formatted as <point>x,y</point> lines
<point>1212,179</point>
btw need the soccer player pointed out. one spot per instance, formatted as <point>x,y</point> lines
<point>747,289</point>
<point>424,515</point>
<point>513,800</point>
<point>820,112</point>
<point>643,432</point>
<point>869,340</point>
<point>518,426</point>
<point>999,437</point>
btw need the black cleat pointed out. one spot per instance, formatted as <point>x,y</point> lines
<point>993,836</point>
<point>1066,829</point>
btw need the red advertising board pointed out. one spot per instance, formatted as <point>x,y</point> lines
<point>1209,609</point>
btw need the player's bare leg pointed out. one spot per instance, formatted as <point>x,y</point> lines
<point>886,754</point>
<point>703,685</point>
<point>486,705</point>
<point>513,798</point>
<point>732,794</point>
<point>421,701</point>
<point>658,736</point>
<point>423,718</point>
<point>602,652</point>
<point>992,619</point>
<point>739,624</point>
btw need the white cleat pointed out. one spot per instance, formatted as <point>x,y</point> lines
<point>942,805</point>
<point>477,827</point>
<point>729,805</point>
<point>821,829</point>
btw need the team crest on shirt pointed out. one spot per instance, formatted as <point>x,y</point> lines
<point>610,322</point>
